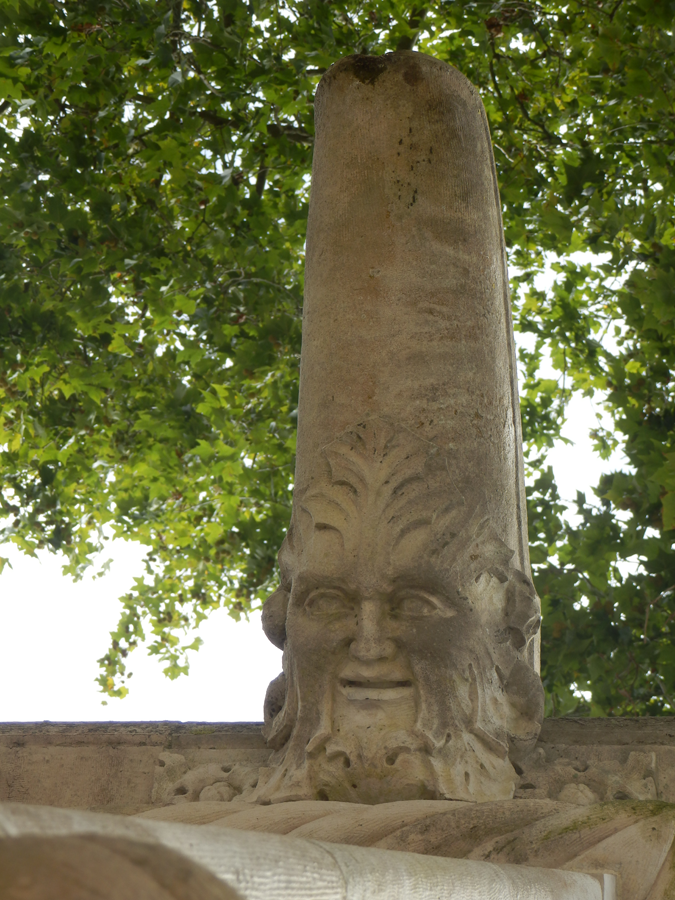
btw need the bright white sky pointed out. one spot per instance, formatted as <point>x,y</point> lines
<point>54,630</point>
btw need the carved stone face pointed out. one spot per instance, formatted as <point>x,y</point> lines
<point>378,645</point>
<point>404,624</point>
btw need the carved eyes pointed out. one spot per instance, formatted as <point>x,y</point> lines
<point>418,605</point>
<point>325,603</point>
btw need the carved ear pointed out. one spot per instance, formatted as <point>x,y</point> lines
<point>279,719</point>
<point>522,610</point>
<point>526,698</point>
<point>274,700</point>
<point>274,617</point>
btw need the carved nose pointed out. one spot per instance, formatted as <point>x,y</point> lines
<point>371,642</point>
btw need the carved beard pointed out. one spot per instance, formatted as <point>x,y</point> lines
<point>472,696</point>
<point>439,742</point>
<point>364,755</point>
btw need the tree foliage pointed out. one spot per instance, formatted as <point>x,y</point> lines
<point>155,162</point>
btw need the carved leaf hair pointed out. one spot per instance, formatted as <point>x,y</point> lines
<point>382,484</point>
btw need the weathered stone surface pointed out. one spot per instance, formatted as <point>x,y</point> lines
<point>117,766</point>
<point>632,841</point>
<point>406,309</point>
<point>629,732</point>
<point>585,761</point>
<point>406,611</point>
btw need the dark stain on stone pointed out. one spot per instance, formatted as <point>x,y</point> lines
<point>367,69</point>
<point>412,74</point>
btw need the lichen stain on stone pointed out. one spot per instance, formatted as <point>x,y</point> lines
<point>603,813</point>
<point>412,74</point>
<point>367,69</point>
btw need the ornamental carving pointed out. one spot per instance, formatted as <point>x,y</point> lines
<point>406,634</point>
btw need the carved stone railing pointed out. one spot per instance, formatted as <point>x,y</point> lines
<point>252,866</point>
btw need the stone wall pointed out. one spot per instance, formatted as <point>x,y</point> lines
<point>129,767</point>
<point>113,766</point>
<point>586,760</point>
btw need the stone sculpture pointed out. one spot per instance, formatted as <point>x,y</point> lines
<point>406,612</point>
<point>407,632</point>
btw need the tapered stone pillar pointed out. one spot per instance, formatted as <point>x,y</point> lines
<point>406,612</point>
<point>407,309</point>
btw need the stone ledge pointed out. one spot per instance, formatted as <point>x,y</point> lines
<point>616,732</point>
<point>120,766</point>
<point>247,735</point>
<point>168,735</point>
<point>258,866</point>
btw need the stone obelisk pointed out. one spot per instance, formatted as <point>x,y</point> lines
<point>406,612</point>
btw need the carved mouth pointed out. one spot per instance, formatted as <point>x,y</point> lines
<point>375,690</point>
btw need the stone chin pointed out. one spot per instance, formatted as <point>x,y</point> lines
<point>406,635</point>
